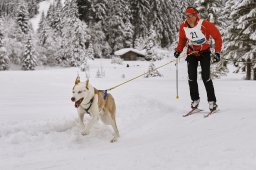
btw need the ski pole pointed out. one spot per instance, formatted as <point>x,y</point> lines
<point>177,77</point>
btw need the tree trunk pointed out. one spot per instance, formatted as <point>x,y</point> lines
<point>249,69</point>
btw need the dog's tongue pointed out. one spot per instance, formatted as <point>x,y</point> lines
<point>77,103</point>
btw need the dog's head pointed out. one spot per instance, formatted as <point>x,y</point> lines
<point>80,92</point>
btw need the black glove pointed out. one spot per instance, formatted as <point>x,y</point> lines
<point>176,54</point>
<point>216,58</point>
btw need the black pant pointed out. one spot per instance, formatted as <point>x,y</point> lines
<point>205,62</point>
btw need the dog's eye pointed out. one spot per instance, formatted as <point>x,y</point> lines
<point>73,92</point>
<point>79,92</point>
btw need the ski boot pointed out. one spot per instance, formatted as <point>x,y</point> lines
<point>195,103</point>
<point>213,106</point>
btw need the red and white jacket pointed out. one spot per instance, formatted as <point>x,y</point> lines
<point>208,29</point>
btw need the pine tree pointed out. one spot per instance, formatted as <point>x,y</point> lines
<point>93,13</point>
<point>210,10</point>
<point>118,15</point>
<point>140,10</point>
<point>73,51</point>
<point>90,52</point>
<point>128,34</point>
<point>50,15</point>
<point>42,30</point>
<point>32,7</point>
<point>140,43</point>
<point>29,59</point>
<point>48,42</point>
<point>164,25</point>
<point>150,43</point>
<point>13,39</point>
<point>22,17</point>
<point>98,39</point>
<point>57,24</point>
<point>4,60</point>
<point>152,72</point>
<point>9,7</point>
<point>240,35</point>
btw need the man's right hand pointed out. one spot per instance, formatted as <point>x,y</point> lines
<point>176,54</point>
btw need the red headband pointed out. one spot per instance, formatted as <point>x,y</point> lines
<point>190,11</point>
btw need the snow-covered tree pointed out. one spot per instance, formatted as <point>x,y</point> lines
<point>13,39</point>
<point>118,15</point>
<point>9,7</point>
<point>22,17</point>
<point>32,7</point>
<point>90,52</point>
<point>140,10</point>
<point>50,15</point>
<point>4,59</point>
<point>57,24</point>
<point>128,34</point>
<point>210,9</point>
<point>48,43</point>
<point>140,43</point>
<point>152,72</point>
<point>159,19</point>
<point>42,30</point>
<point>75,37</point>
<point>93,13</point>
<point>98,39</point>
<point>150,43</point>
<point>240,36</point>
<point>29,59</point>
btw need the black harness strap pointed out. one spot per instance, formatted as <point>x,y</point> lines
<point>87,109</point>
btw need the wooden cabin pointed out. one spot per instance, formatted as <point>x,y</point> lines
<point>130,54</point>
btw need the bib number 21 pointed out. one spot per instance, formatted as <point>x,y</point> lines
<point>193,35</point>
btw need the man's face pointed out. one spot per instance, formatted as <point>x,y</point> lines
<point>191,18</point>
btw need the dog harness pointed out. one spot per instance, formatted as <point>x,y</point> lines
<point>87,109</point>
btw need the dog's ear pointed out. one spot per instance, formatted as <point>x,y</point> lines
<point>77,80</point>
<point>87,82</point>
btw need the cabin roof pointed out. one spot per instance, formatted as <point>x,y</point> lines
<point>126,50</point>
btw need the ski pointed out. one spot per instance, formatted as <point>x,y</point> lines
<point>210,113</point>
<point>192,111</point>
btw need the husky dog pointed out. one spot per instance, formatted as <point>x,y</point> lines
<point>96,103</point>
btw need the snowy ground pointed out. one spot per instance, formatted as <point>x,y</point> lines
<point>39,126</point>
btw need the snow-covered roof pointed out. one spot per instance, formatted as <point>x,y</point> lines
<point>126,50</point>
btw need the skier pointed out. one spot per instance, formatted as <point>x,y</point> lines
<point>196,32</point>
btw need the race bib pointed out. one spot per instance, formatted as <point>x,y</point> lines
<point>195,35</point>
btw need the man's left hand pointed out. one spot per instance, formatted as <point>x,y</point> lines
<point>216,58</point>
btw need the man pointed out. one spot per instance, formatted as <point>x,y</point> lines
<point>196,32</point>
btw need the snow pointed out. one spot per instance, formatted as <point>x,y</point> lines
<point>39,125</point>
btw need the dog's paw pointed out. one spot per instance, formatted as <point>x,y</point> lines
<point>85,132</point>
<point>113,140</point>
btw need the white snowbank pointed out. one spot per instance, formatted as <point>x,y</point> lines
<point>39,127</point>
